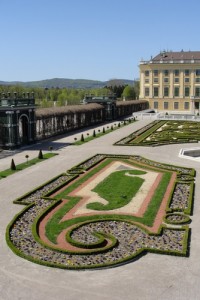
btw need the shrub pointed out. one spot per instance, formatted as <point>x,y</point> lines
<point>111,127</point>
<point>12,166</point>
<point>94,133</point>
<point>82,138</point>
<point>40,155</point>
<point>104,130</point>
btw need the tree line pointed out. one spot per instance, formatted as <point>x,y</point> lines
<point>48,97</point>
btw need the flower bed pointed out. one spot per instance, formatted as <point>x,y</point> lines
<point>98,239</point>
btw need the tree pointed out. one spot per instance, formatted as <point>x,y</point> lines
<point>136,86</point>
<point>129,93</point>
<point>116,88</point>
<point>27,157</point>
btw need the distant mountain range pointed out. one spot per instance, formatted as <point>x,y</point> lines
<point>69,83</point>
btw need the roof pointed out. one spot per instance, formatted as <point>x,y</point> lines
<point>70,109</point>
<point>63,110</point>
<point>129,102</point>
<point>178,56</point>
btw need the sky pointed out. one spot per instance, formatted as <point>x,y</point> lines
<point>91,39</point>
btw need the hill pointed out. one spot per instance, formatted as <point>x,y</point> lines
<point>69,83</point>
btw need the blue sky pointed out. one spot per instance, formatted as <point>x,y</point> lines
<point>91,39</point>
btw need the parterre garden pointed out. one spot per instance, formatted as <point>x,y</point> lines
<point>164,132</point>
<point>106,211</point>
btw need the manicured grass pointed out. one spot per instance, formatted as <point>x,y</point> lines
<point>55,226</point>
<point>22,166</point>
<point>77,183</point>
<point>118,189</point>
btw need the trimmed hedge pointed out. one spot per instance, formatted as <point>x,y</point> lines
<point>171,134</point>
<point>102,245</point>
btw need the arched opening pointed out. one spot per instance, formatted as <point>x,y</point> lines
<point>24,129</point>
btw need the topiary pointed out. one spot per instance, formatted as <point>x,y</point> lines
<point>40,155</point>
<point>12,165</point>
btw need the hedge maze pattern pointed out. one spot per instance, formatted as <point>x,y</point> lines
<point>42,233</point>
<point>165,132</point>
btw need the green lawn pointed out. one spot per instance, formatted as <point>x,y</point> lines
<point>118,189</point>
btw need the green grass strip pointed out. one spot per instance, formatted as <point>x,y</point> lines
<point>118,189</point>
<point>22,166</point>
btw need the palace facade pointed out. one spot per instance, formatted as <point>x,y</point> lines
<point>170,81</point>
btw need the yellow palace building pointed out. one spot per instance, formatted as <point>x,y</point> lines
<point>171,81</point>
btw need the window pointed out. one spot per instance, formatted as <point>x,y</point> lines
<point>146,80</point>
<point>176,72</point>
<point>166,72</point>
<point>197,79</point>
<point>155,72</point>
<point>176,91</point>
<point>197,92</point>
<point>187,91</point>
<point>155,91</point>
<point>198,72</point>
<point>166,79</point>
<point>176,105</point>
<point>146,73</point>
<point>187,72</point>
<point>146,92</point>
<point>166,91</point>
<point>186,105</point>
<point>155,80</point>
<point>166,105</point>
<point>155,104</point>
<point>187,79</point>
<point>176,80</point>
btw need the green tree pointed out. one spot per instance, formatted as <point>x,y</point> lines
<point>136,87</point>
<point>129,93</point>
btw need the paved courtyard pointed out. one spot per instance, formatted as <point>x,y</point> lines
<point>153,276</point>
